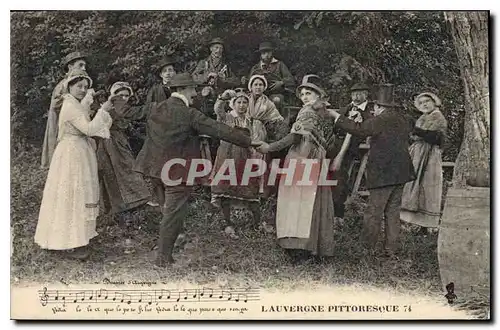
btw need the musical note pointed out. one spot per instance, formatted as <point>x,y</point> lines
<point>101,292</point>
<point>243,295</point>
<point>161,294</point>
<point>211,292</point>
<point>222,294</point>
<point>148,296</point>
<point>185,295</point>
<point>123,296</point>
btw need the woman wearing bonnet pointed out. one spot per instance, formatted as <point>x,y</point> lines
<point>70,203</point>
<point>304,217</point>
<point>421,201</point>
<point>122,188</point>
<point>261,108</point>
<point>224,194</point>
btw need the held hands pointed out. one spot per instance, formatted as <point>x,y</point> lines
<point>261,147</point>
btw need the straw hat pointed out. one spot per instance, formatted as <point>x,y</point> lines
<point>313,82</point>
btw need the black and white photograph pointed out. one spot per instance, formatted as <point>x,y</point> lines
<point>250,165</point>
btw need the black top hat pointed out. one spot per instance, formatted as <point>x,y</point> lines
<point>183,80</point>
<point>72,57</point>
<point>216,41</point>
<point>164,62</point>
<point>359,87</point>
<point>385,95</point>
<point>265,46</point>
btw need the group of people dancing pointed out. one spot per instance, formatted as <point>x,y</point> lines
<point>92,169</point>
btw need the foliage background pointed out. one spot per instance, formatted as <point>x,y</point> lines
<point>413,50</point>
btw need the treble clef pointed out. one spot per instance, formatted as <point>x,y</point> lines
<point>44,298</point>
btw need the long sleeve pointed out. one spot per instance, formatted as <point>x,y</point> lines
<point>207,126</point>
<point>56,100</point>
<point>99,126</point>
<point>288,80</point>
<point>276,130</point>
<point>287,141</point>
<point>431,137</point>
<point>371,127</point>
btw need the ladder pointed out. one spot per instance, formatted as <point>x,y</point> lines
<point>360,173</point>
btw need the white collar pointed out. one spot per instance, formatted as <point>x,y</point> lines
<point>182,97</point>
<point>362,106</point>
<point>274,60</point>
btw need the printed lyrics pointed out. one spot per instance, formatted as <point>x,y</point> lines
<point>146,308</point>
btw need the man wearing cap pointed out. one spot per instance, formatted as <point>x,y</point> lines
<point>174,135</point>
<point>158,93</point>
<point>360,109</point>
<point>74,60</point>
<point>276,72</point>
<point>389,167</point>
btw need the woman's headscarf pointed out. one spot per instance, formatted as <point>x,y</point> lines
<point>237,96</point>
<point>257,76</point>
<point>75,74</point>
<point>119,85</point>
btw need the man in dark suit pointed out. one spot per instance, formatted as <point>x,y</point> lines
<point>175,128</point>
<point>389,167</point>
<point>360,109</point>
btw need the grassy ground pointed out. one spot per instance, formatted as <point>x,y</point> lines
<point>123,250</point>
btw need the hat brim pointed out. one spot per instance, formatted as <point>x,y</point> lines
<point>360,89</point>
<point>265,49</point>
<point>68,61</point>
<point>433,96</point>
<point>392,105</point>
<point>314,87</point>
<point>69,80</point>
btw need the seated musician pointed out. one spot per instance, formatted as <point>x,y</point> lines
<point>281,81</point>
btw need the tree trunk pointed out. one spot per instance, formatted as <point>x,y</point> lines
<point>470,36</point>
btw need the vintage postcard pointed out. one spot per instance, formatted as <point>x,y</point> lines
<point>250,165</point>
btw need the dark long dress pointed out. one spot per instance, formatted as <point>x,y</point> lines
<point>121,187</point>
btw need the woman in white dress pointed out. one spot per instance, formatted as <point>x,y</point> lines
<point>70,203</point>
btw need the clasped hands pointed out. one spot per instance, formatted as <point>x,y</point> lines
<point>260,146</point>
<point>88,99</point>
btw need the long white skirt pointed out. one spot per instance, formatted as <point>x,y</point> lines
<point>70,203</point>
